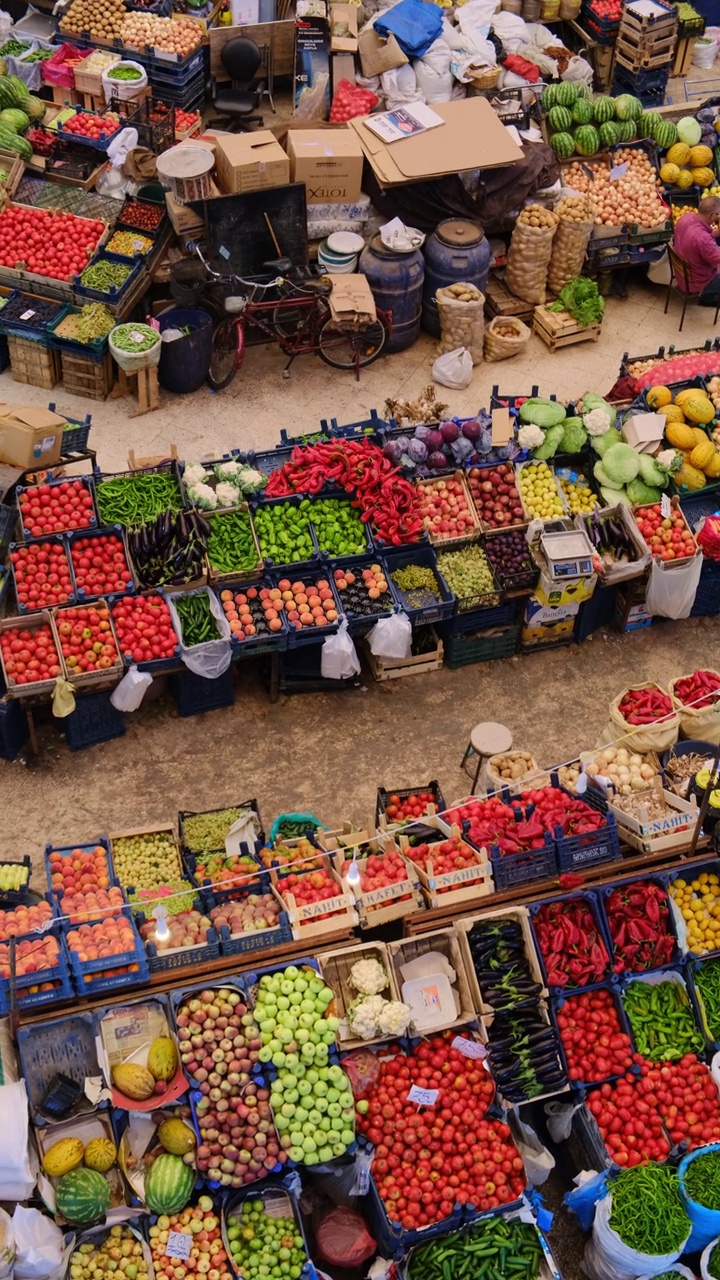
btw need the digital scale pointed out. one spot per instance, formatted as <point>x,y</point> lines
<point>569,554</point>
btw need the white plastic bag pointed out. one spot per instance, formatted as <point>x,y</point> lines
<point>433,72</point>
<point>606,1257</point>
<point>672,587</point>
<point>7,1244</point>
<point>454,369</point>
<point>705,1259</point>
<point>559,1119</point>
<point>213,657</point>
<point>338,659</point>
<point>14,1154</point>
<point>39,1244</point>
<point>400,86</point>
<point>131,690</point>
<point>391,637</point>
<point>537,1159</point>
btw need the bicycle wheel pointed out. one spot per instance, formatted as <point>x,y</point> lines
<point>226,354</point>
<point>345,348</point>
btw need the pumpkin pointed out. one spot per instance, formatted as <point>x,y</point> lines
<point>698,408</point>
<point>702,454</point>
<point>657,397</point>
<point>688,477</point>
<point>679,435</point>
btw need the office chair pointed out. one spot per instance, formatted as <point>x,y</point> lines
<point>241,58</point>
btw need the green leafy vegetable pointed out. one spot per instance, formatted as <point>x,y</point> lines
<point>574,435</point>
<point>581,298</point>
<point>621,463</point>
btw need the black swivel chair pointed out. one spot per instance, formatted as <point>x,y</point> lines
<point>241,58</point>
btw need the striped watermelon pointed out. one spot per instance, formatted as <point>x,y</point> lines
<point>83,1196</point>
<point>627,107</point>
<point>168,1184</point>
<point>563,144</point>
<point>582,111</point>
<point>626,130</point>
<point>7,93</point>
<point>20,89</point>
<point>609,134</point>
<point>567,94</point>
<point>14,118</point>
<point>12,141</point>
<point>34,107</point>
<point>603,110</point>
<point>549,96</point>
<point>647,123</point>
<point>559,119</point>
<point>587,140</point>
<point>665,134</point>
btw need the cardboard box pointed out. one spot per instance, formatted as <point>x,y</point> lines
<point>343,15</point>
<point>472,138</point>
<point>30,437</point>
<point>250,162</point>
<point>645,431</point>
<point>184,218</point>
<point>352,297</point>
<point>378,55</point>
<point>328,161</point>
<point>343,68</point>
<point>541,615</point>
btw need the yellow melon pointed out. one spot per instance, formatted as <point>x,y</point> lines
<point>698,408</point>
<point>702,454</point>
<point>699,155</point>
<point>678,154</point>
<point>682,396</point>
<point>703,177</point>
<point>669,173</point>
<point>658,396</point>
<point>684,179</point>
<point>679,435</point>
<point>699,435</point>
<point>712,468</point>
<point>673,413</point>
<point>688,477</point>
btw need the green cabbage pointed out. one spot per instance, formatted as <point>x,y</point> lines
<point>603,478</point>
<point>574,435</point>
<point>613,496</point>
<point>689,131</point>
<point>621,463</point>
<point>546,413</point>
<point>652,473</point>
<point>640,493</point>
<point>601,444</point>
<point>549,448</point>
<point>592,401</point>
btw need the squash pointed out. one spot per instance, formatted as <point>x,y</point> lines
<point>699,435</point>
<point>698,408</point>
<point>702,454</point>
<point>699,155</point>
<point>673,413</point>
<point>679,435</point>
<point>657,397</point>
<point>703,176</point>
<point>688,477</point>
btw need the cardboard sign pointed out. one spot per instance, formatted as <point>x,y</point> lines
<point>501,428</point>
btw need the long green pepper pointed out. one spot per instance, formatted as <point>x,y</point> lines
<point>283,532</point>
<point>713,1265</point>
<point>662,1021</point>
<point>137,499</point>
<point>702,1180</point>
<point>647,1211</point>
<point>231,546</point>
<point>491,1250</point>
<point>706,977</point>
<point>197,622</point>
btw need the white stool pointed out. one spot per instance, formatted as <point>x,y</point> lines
<point>486,739</point>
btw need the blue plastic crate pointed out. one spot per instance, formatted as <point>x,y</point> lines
<point>64,1045</point>
<point>392,1239</point>
<point>689,872</point>
<point>194,694</point>
<point>13,728</point>
<point>119,532</point>
<point>58,974</point>
<point>92,977</point>
<point>55,484</point>
<point>664,972</point>
<point>235,982</point>
<point>170,961</point>
<point>589,850</point>
<point>312,635</point>
<point>272,1189</point>
<point>603,30</point>
<point>260,939</point>
<point>696,506</point>
<point>513,869</point>
<point>114,294</point>
<point>502,615</point>
<point>604,893</point>
<point>344,499</point>
<point>94,720</point>
<point>98,144</point>
<point>76,434</point>
<point>66,851</point>
<point>298,567</point>
<point>8,522</point>
<point>308,437</point>
<point>433,610</point>
<point>589,899</point>
<point>557,1003</point>
<point>707,597</point>
<point>693,969</point>
<point>372,425</point>
<point>56,538</point>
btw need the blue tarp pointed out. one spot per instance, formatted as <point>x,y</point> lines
<point>416,24</point>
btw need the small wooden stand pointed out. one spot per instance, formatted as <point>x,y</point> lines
<point>558,329</point>
<point>147,389</point>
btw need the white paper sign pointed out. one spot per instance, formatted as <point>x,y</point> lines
<point>619,171</point>
<point>469,1048</point>
<point>423,1097</point>
<point>137,337</point>
<point>178,1245</point>
<point>665,508</point>
<point>27,315</point>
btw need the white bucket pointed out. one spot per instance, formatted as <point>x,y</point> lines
<point>123,90</point>
<point>185,169</point>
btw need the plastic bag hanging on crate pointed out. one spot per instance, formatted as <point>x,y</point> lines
<point>338,659</point>
<point>559,1119</point>
<point>129,693</point>
<point>213,657</point>
<point>538,1161</point>
<point>672,588</point>
<point>63,699</point>
<point>342,1238</point>
<point>391,637</point>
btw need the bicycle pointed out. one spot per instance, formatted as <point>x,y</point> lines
<point>300,321</point>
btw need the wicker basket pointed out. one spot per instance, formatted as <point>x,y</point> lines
<point>486,79</point>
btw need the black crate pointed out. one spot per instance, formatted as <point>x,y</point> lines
<point>13,728</point>
<point>479,646</point>
<point>194,694</point>
<point>155,123</point>
<point>94,720</point>
<point>707,597</point>
<point>596,612</point>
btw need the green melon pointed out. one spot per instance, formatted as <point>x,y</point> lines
<point>35,107</point>
<point>582,111</point>
<point>168,1184</point>
<point>14,118</point>
<point>563,144</point>
<point>609,135</point>
<point>11,141</point>
<point>83,1196</point>
<point>549,96</point>
<point>19,88</point>
<point>567,94</point>
<point>3,67</point>
<point>665,134</point>
<point>603,110</point>
<point>559,119</point>
<point>628,107</point>
<point>626,130</point>
<point>587,140</point>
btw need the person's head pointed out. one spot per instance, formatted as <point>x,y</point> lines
<point>709,209</point>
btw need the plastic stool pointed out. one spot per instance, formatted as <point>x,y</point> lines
<point>486,739</point>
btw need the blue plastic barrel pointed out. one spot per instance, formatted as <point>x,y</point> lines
<point>396,281</point>
<point>456,253</point>
<point>184,363</point>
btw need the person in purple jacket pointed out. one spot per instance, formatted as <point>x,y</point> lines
<point>694,240</point>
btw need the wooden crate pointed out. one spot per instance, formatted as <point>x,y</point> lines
<point>63,96</point>
<point>14,167</point>
<point>648,24</point>
<point>445,941</point>
<point>682,62</point>
<point>636,56</point>
<point>519,915</point>
<point>499,301</point>
<point>379,906</point>
<point>83,376</point>
<point>34,364</point>
<point>559,329</point>
<point>335,968</point>
<point>393,668</point>
<point>303,918</point>
<point>466,885</point>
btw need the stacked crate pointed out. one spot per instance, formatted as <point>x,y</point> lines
<point>644,50</point>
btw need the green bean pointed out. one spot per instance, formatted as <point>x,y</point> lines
<point>134,338</point>
<point>492,1248</point>
<point>105,276</point>
<point>713,1264</point>
<point>231,546</point>
<point>137,499</point>
<point>647,1211</point>
<point>702,1180</point>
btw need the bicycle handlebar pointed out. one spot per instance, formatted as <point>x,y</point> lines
<point>250,284</point>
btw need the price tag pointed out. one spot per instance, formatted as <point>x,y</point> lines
<point>423,1097</point>
<point>137,337</point>
<point>469,1048</point>
<point>619,171</point>
<point>138,244</point>
<point>178,1244</point>
<point>27,315</point>
<point>665,508</point>
<point>224,253</point>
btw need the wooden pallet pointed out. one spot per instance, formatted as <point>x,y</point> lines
<point>83,376</point>
<point>499,301</point>
<point>33,364</point>
<point>559,329</point>
<point>393,668</point>
<point>682,62</point>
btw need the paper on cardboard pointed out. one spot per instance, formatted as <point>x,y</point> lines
<point>250,161</point>
<point>645,431</point>
<point>352,298</point>
<point>341,16</point>
<point>328,161</point>
<point>378,55</point>
<point>473,138</point>
<point>30,436</point>
<point>501,428</point>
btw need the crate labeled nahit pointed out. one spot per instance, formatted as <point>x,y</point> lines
<point>450,869</point>
<point>316,901</point>
<point>389,885</point>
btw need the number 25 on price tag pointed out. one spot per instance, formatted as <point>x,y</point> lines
<point>423,1097</point>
